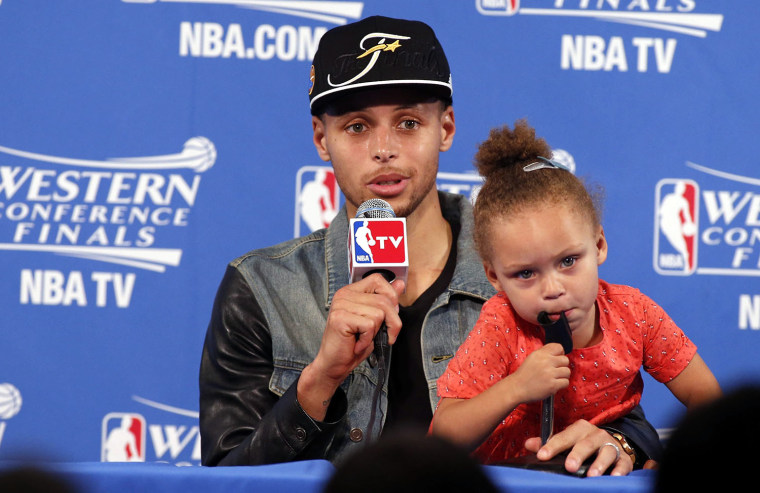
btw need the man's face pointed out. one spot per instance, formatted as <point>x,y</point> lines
<point>384,144</point>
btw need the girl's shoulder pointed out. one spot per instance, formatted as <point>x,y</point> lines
<point>623,298</point>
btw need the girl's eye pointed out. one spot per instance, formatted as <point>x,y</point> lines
<point>568,261</point>
<point>525,274</point>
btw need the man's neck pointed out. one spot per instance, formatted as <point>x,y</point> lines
<point>429,243</point>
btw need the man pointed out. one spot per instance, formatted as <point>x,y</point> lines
<point>289,368</point>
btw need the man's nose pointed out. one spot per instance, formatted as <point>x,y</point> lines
<point>384,144</point>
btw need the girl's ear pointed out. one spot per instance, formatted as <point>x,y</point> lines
<point>491,275</point>
<point>601,247</point>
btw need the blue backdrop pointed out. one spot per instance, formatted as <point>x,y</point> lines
<point>146,143</point>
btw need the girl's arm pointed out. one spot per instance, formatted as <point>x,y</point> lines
<point>468,422</point>
<point>696,384</point>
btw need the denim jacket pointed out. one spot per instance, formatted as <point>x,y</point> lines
<point>266,326</point>
<point>291,286</point>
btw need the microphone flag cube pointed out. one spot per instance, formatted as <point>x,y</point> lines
<point>378,244</point>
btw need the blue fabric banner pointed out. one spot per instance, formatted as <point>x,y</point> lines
<point>146,143</point>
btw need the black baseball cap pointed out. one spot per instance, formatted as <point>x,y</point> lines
<point>374,52</point>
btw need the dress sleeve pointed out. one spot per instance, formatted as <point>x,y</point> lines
<point>242,422</point>
<point>667,350</point>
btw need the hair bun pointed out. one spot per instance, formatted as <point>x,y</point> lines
<point>506,149</point>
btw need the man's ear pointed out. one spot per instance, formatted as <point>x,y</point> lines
<point>491,275</point>
<point>448,128</point>
<point>601,247</point>
<point>320,138</point>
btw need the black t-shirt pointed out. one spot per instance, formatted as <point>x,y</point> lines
<point>408,393</point>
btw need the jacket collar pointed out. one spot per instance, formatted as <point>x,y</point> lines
<point>469,277</point>
<point>336,254</point>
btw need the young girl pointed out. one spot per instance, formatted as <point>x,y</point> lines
<point>539,234</point>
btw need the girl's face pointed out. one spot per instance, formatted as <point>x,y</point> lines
<point>547,259</point>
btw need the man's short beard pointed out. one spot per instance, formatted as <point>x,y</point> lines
<point>400,210</point>
<point>408,208</point>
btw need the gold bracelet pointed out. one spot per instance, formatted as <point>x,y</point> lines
<point>626,447</point>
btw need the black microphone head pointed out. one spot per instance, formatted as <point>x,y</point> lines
<point>375,209</point>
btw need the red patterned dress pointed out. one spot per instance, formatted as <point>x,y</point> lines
<point>605,383</point>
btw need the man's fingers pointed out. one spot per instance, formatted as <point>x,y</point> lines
<point>606,458</point>
<point>364,344</point>
<point>607,455</point>
<point>584,440</point>
<point>651,464</point>
<point>358,312</point>
<point>572,436</point>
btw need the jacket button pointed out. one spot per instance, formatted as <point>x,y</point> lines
<point>356,435</point>
<point>372,360</point>
<point>300,434</point>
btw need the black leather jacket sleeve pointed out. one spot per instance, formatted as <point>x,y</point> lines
<point>242,422</point>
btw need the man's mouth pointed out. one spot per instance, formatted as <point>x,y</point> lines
<point>388,185</point>
<point>387,179</point>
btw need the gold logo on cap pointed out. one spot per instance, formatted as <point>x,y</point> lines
<point>312,77</point>
<point>375,51</point>
<point>381,47</point>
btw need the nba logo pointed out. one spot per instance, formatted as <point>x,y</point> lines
<point>317,199</point>
<point>675,232</point>
<point>123,438</point>
<point>379,241</point>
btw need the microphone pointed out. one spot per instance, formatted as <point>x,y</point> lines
<point>558,331</point>
<point>377,242</point>
<point>554,331</point>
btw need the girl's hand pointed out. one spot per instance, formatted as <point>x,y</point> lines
<point>543,373</point>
